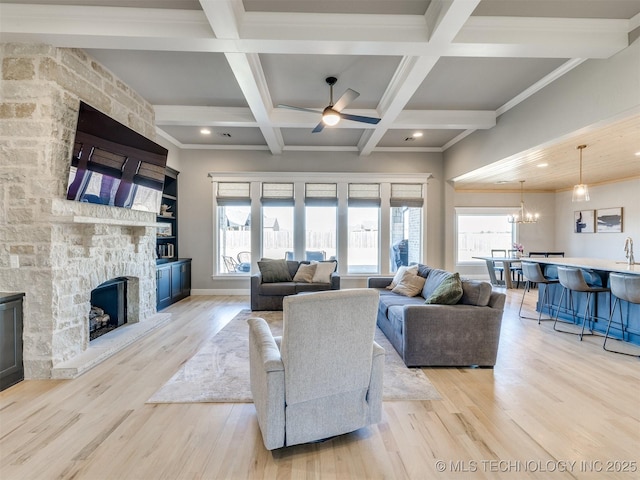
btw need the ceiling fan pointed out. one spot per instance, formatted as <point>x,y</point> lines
<point>332,114</point>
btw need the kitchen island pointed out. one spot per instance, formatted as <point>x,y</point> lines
<point>596,272</point>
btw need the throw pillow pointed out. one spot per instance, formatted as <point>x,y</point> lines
<point>274,271</point>
<point>399,273</point>
<point>449,292</point>
<point>323,272</point>
<point>410,284</point>
<point>305,273</point>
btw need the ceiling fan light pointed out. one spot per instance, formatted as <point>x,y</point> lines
<point>330,117</point>
<point>580,193</point>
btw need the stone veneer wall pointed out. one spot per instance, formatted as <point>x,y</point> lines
<point>61,260</point>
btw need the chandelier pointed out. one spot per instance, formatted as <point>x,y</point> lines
<point>522,216</point>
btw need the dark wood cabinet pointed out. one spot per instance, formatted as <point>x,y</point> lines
<point>173,274</point>
<point>167,237</point>
<point>11,365</point>
<point>173,282</point>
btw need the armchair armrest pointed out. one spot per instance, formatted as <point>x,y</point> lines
<point>267,382</point>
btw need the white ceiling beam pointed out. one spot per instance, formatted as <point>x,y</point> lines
<point>188,115</point>
<point>445,18</point>
<point>224,17</point>
<point>445,119</point>
<point>408,35</point>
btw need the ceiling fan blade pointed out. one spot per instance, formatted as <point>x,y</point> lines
<point>346,98</point>
<point>318,128</point>
<point>359,118</point>
<point>301,109</point>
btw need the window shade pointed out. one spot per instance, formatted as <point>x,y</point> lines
<point>321,194</point>
<point>364,194</point>
<point>233,193</point>
<point>277,194</point>
<point>406,195</point>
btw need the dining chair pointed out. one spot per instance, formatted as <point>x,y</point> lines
<point>496,252</point>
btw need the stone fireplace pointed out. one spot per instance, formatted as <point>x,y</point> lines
<point>55,250</point>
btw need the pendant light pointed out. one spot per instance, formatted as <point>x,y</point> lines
<point>523,216</point>
<point>580,191</point>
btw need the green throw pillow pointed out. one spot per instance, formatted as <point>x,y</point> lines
<point>449,292</point>
<point>274,271</point>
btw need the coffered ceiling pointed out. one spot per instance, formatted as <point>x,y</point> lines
<point>442,68</point>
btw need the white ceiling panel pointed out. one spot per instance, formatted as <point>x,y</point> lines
<point>175,78</point>
<point>429,138</point>
<point>329,137</point>
<point>478,83</point>
<point>218,136</point>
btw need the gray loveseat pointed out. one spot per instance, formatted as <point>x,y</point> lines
<point>464,334</point>
<point>268,296</point>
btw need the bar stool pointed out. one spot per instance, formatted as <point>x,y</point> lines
<point>627,288</point>
<point>572,280</point>
<point>532,273</point>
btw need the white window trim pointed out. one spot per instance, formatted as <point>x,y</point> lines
<point>342,180</point>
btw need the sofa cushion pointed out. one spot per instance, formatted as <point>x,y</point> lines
<point>475,292</point>
<point>434,279</point>
<point>449,292</point>
<point>278,288</point>
<point>392,299</point>
<point>274,271</point>
<point>399,274</point>
<point>410,283</point>
<point>323,271</point>
<point>423,270</point>
<point>305,273</point>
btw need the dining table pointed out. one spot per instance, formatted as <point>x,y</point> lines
<point>507,262</point>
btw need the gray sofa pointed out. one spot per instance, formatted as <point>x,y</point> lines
<point>269,296</point>
<point>465,334</point>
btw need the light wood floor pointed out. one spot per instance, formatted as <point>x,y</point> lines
<point>551,400</point>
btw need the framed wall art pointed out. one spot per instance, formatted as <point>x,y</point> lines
<point>583,221</point>
<point>609,220</point>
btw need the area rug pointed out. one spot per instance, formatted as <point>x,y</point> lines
<point>219,372</point>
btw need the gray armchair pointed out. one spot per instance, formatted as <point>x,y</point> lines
<point>326,365</point>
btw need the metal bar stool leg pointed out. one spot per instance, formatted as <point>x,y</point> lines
<point>606,336</point>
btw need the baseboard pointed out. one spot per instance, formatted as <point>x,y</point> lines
<point>218,291</point>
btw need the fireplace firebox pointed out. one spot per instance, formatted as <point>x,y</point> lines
<point>108,307</point>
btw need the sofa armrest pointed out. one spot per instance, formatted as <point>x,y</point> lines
<point>497,300</point>
<point>379,282</point>
<point>451,335</point>
<point>335,281</point>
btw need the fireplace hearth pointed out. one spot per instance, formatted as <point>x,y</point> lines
<point>108,307</point>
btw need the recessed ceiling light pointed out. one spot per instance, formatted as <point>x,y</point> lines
<point>542,165</point>
<point>637,154</point>
<point>417,134</point>
<point>205,131</point>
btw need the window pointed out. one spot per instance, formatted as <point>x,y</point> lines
<point>364,227</point>
<point>406,224</point>
<point>277,220</point>
<point>321,200</point>
<point>355,218</point>
<point>479,230</point>
<point>234,228</point>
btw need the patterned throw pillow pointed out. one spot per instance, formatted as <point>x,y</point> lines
<point>449,292</point>
<point>274,271</point>
<point>305,273</point>
<point>410,284</point>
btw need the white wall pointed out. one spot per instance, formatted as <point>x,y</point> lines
<point>600,245</point>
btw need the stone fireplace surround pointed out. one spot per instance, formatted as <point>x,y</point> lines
<point>65,248</point>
